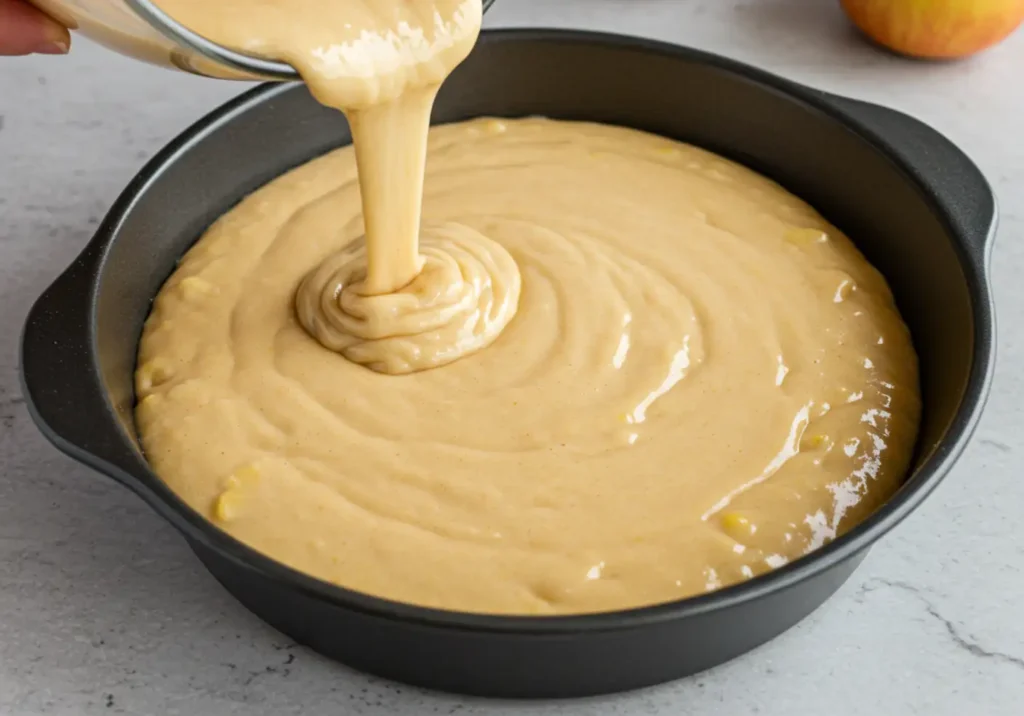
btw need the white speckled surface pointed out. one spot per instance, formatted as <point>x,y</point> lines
<point>104,610</point>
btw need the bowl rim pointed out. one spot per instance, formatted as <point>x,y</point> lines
<point>197,528</point>
<point>255,67</point>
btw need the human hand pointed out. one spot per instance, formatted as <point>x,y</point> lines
<point>25,30</point>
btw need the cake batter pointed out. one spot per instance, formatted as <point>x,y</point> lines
<point>614,370</point>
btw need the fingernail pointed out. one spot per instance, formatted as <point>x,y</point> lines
<point>56,40</point>
<point>55,47</point>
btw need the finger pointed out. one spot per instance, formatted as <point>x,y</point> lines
<point>25,30</point>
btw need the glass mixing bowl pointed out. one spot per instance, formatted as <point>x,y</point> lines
<point>140,29</point>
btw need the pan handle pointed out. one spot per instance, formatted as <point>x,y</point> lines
<point>951,178</point>
<point>63,390</point>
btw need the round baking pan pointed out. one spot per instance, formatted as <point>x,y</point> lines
<point>916,206</point>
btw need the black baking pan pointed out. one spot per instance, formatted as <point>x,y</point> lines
<point>915,205</point>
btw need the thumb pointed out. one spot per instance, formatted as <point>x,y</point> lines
<point>25,30</point>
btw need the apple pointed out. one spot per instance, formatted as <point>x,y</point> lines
<point>936,29</point>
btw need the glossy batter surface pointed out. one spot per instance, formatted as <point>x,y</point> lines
<point>703,380</point>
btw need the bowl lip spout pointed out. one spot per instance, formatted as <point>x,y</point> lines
<point>116,455</point>
<point>251,66</point>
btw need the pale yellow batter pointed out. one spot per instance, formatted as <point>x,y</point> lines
<point>704,380</point>
<point>616,370</point>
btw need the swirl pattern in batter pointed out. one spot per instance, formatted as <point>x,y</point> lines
<point>703,380</point>
<point>465,293</point>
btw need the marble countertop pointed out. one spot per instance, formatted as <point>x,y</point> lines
<point>103,609</point>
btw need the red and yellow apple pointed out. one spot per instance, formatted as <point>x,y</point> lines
<point>939,29</point>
